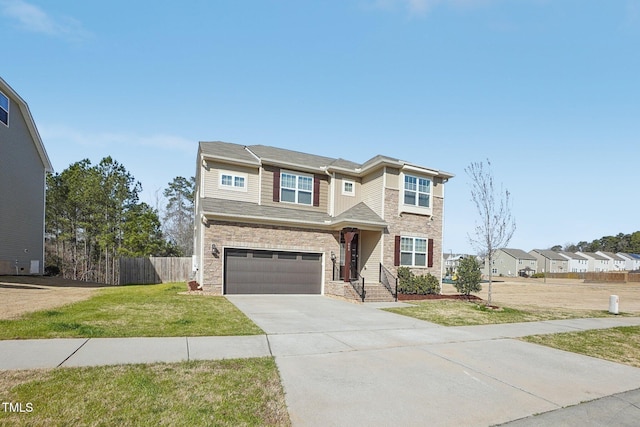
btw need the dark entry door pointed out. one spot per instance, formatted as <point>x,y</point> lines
<point>272,272</point>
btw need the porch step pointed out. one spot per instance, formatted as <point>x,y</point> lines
<point>376,292</point>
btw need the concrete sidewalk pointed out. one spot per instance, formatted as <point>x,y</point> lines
<point>52,353</point>
<point>349,364</point>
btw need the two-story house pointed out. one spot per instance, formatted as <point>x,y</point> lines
<point>632,261</point>
<point>595,262</point>
<point>23,167</point>
<point>271,220</point>
<point>512,262</point>
<point>550,261</point>
<point>576,263</point>
<point>617,263</point>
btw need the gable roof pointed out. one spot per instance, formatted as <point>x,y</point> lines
<point>549,254</point>
<point>31,125</point>
<point>571,255</point>
<point>595,256</point>
<point>258,154</point>
<point>611,255</point>
<point>518,254</point>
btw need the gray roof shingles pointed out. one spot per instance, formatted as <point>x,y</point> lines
<point>359,214</point>
<point>230,151</point>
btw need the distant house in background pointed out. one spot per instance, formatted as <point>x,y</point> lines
<point>451,262</point>
<point>632,261</point>
<point>23,167</point>
<point>617,263</point>
<point>512,262</point>
<point>577,263</point>
<point>550,261</point>
<point>596,263</point>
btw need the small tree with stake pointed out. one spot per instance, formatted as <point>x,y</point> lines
<point>469,276</point>
<point>496,225</point>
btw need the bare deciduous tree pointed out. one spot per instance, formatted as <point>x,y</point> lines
<point>496,225</point>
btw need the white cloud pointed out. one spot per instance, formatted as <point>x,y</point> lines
<point>34,19</point>
<point>67,135</point>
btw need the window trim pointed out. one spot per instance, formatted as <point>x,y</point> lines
<point>2,94</point>
<point>415,208</point>
<point>297,190</point>
<point>414,252</point>
<point>417,191</point>
<point>234,177</point>
<point>345,192</point>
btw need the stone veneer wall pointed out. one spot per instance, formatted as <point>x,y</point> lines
<point>415,226</point>
<point>268,237</point>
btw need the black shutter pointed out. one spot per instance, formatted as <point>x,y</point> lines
<point>396,253</point>
<point>430,254</point>
<point>276,184</point>
<point>316,190</point>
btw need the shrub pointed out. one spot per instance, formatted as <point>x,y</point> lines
<point>538,276</point>
<point>51,270</point>
<point>410,284</point>
<point>469,276</point>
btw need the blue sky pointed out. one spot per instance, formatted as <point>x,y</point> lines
<point>549,91</point>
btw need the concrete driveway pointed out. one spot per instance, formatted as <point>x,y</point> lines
<point>350,364</point>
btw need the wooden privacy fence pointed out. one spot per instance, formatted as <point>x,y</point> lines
<point>599,277</point>
<point>154,270</point>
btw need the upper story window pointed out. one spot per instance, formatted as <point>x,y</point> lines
<point>413,251</point>
<point>296,188</point>
<point>233,181</point>
<point>4,109</point>
<point>348,188</point>
<point>417,191</point>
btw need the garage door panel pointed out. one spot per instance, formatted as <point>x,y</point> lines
<point>272,272</point>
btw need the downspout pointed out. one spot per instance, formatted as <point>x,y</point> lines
<point>444,181</point>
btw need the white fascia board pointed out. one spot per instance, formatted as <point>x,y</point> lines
<point>230,160</point>
<point>31,125</point>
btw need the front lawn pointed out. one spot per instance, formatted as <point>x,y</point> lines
<point>463,313</point>
<point>620,345</point>
<point>221,393</point>
<point>134,311</point>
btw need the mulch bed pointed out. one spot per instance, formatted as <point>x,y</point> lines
<point>406,297</point>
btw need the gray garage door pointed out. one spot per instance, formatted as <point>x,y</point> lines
<point>272,272</point>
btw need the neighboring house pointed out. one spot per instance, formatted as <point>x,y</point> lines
<point>550,261</point>
<point>451,262</point>
<point>513,262</point>
<point>595,262</point>
<point>616,263</point>
<point>270,220</point>
<point>23,167</point>
<point>632,261</point>
<point>577,263</point>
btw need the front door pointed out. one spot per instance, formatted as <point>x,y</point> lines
<point>349,259</point>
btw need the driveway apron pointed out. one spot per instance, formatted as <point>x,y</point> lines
<point>352,364</point>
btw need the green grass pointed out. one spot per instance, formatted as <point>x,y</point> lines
<point>462,313</point>
<point>134,311</point>
<point>215,393</point>
<point>620,345</point>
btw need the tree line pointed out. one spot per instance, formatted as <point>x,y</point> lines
<point>627,243</point>
<point>94,216</point>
